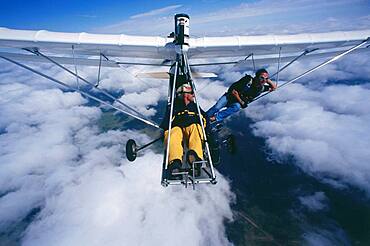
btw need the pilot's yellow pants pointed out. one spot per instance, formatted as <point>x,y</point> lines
<point>193,138</point>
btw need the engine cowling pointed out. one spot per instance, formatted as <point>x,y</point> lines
<point>182,29</point>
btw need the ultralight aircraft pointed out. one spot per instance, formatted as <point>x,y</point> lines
<point>181,54</point>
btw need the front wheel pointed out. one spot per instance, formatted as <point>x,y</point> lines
<point>131,150</point>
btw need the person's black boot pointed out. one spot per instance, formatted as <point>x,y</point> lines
<point>174,167</point>
<point>191,157</point>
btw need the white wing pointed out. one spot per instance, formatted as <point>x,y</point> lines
<point>265,48</point>
<point>269,44</point>
<point>85,43</point>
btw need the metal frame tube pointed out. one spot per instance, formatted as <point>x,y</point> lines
<point>200,117</point>
<point>171,115</point>
<point>148,144</point>
<point>36,52</point>
<point>79,91</point>
<point>97,83</point>
<point>213,63</point>
<point>74,62</point>
<point>295,59</point>
<point>278,68</point>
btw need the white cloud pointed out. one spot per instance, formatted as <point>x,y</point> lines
<point>281,17</point>
<point>156,11</point>
<point>325,130</point>
<point>128,206</point>
<point>260,17</point>
<point>53,158</point>
<point>324,237</point>
<point>322,125</point>
<point>142,100</point>
<point>316,202</point>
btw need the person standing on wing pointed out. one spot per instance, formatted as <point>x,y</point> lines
<point>240,94</point>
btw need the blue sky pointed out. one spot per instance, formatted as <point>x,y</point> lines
<point>79,15</point>
<point>99,16</point>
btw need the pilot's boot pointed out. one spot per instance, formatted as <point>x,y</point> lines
<point>191,157</point>
<point>174,167</point>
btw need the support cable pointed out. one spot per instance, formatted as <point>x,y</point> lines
<point>120,65</point>
<point>307,51</point>
<point>295,59</point>
<point>217,63</point>
<point>317,67</point>
<point>36,52</point>
<point>81,92</point>
<point>137,78</point>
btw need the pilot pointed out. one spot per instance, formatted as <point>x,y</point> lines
<point>185,125</point>
<point>240,94</point>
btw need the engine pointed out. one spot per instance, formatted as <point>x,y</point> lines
<point>182,29</point>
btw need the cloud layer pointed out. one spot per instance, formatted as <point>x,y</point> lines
<point>324,128</point>
<point>71,185</point>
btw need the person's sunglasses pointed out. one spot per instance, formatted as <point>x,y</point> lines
<point>263,78</point>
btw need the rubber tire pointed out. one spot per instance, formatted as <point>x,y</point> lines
<point>131,151</point>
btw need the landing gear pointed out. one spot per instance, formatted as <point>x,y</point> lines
<point>131,150</point>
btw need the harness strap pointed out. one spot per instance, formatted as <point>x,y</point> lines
<point>188,113</point>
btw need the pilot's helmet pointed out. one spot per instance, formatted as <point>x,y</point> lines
<point>185,88</point>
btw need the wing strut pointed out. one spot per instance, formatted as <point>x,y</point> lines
<point>98,81</point>
<point>254,65</point>
<point>38,53</point>
<point>307,51</point>
<point>318,66</point>
<point>278,68</point>
<point>74,61</point>
<point>100,60</point>
<point>81,92</point>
